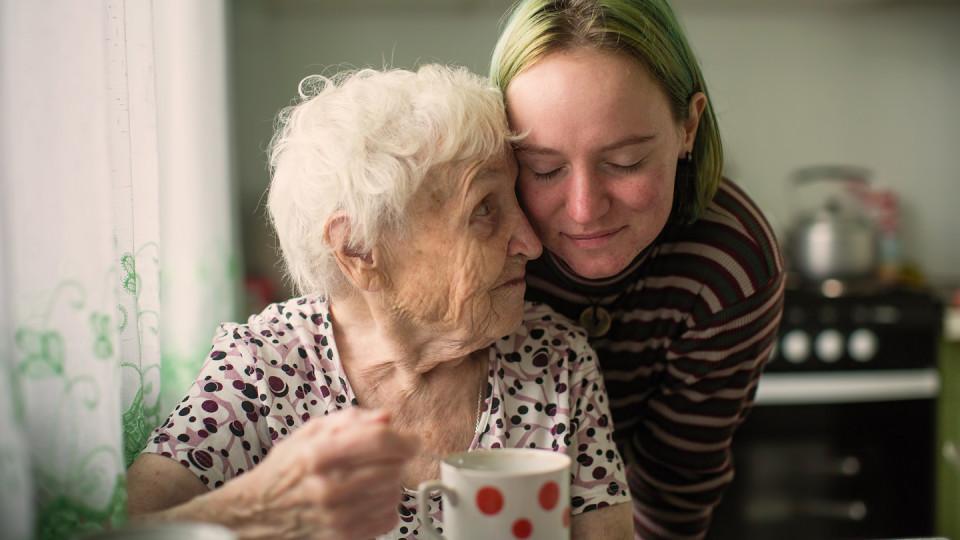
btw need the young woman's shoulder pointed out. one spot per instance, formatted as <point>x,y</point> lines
<point>731,249</point>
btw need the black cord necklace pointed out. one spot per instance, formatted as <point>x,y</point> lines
<point>595,318</point>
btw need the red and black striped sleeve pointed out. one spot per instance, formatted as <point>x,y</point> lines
<point>679,454</point>
<point>694,322</point>
<point>680,450</point>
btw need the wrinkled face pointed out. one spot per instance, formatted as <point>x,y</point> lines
<point>459,265</point>
<point>597,168</point>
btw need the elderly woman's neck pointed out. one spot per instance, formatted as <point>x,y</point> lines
<point>372,341</point>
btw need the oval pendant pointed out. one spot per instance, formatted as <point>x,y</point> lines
<point>595,320</point>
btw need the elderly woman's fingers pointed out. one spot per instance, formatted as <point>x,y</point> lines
<point>352,487</point>
<point>332,446</point>
<point>362,443</point>
<point>375,514</point>
<point>385,476</point>
<point>342,514</point>
<point>345,418</point>
<point>347,439</point>
<point>341,473</point>
<point>376,491</point>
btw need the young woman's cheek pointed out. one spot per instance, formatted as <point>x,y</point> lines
<point>646,191</point>
<point>538,201</point>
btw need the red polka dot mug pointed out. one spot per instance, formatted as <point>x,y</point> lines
<point>500,493</point>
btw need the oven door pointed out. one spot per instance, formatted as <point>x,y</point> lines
<point>827,465</point>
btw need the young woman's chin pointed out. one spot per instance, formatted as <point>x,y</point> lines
<point>594,265</point>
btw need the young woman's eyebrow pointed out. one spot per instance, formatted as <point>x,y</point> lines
<point>630,140</point>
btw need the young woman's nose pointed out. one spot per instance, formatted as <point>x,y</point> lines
<point>586,200</point>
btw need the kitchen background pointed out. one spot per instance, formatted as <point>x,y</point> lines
<point>869,83</point>
<point>794,83</point>
<point>132,180</point>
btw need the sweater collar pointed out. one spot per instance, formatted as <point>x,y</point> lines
<point>570,280</point>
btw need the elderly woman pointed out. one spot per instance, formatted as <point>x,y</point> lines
<point>393,199</point>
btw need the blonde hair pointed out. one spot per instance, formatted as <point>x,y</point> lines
<point>361,143</point>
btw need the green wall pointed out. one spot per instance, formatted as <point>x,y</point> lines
<point>948,444</point>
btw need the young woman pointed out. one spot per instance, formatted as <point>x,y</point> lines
<point>672,269</point>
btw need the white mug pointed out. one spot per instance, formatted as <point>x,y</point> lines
<point>500,493</point>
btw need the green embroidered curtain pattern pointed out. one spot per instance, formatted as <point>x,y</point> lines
<point>117,255</point>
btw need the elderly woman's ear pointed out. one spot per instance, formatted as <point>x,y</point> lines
<point>361,268</point>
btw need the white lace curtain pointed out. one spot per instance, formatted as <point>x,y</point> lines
<point>117,253</point>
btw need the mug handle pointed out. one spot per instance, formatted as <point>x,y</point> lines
<point>423,496</point>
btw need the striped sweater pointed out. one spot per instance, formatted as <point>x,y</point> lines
<point>694,319</point>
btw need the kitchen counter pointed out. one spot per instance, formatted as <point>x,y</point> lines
<point>847,386</point>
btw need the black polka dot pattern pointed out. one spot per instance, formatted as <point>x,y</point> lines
<point>544,391</point>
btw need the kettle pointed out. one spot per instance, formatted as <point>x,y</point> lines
<point>836,239</point>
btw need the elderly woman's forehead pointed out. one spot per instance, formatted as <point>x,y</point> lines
<point>493,168</point>
<point>497,164</point>
<point>455,178</point>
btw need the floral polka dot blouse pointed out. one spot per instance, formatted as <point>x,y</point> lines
<point>264,379</point>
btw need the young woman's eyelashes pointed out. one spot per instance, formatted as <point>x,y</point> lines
<point>549,175</point>
<point>616,167</point>
<point>627,169</point>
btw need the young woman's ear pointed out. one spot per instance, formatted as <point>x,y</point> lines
<point>360,267</point>
<point>698,103</point>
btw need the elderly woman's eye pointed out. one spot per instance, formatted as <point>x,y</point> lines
<point>483,210</point>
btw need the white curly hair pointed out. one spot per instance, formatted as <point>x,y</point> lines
<point>361,143</point>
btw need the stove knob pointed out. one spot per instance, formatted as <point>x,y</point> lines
<point>862,345</point>
<point>829,346</point>
<point>795,346</point>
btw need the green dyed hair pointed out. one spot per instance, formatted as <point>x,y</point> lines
<point>647,30</point>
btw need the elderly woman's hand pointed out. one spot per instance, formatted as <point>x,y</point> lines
<point>336,477</point>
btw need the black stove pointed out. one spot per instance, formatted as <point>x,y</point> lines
<point>889,329</point>
<point>840,443</point>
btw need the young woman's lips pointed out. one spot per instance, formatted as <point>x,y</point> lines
<point>593,240</point>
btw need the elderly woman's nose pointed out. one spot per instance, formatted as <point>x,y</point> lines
<point>524,240</point>
<point>586,199</point>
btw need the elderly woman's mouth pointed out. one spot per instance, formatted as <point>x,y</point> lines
<point>515,282</point>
